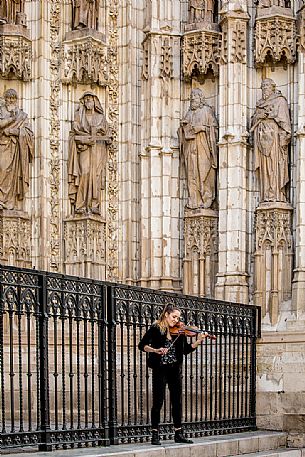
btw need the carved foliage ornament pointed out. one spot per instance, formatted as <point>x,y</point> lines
<point>15,57</point>
<point>273,229</point>
<point>201,52</point>
<point>86,62</point>
<point>275,38</point>
<point>54,164</point>
<point>201,235</point>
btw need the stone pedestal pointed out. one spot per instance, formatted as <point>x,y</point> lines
<point>15,238</point>
<point>273,258</point>
<point>85,246</point>
<point>200,252</point>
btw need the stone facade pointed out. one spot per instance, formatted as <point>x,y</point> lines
<point>106,190</point>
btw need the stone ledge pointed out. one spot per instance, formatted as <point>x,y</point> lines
<point>260,443</point>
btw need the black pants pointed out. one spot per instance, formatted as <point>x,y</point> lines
<point>171,375</point>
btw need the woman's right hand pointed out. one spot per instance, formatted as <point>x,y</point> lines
<point>161,351</point>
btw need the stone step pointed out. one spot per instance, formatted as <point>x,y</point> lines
<point>278,453</point>
<point>259,443</point>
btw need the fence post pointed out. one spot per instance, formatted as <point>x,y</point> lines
<point>103,387</point>
<point>111,318</point>
<point>44,366</point>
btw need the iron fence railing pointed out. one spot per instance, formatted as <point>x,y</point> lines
<point>71,374</point>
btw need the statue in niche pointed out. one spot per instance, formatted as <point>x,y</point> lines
<point>16,151</point>
<point>201,11</point>
<point>85,14</point>
<point>10,10</point>
<point>197,137</point>
<point>88,142</point>
<point>271,125</point>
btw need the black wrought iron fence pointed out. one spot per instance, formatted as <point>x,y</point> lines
<point>72,375</point>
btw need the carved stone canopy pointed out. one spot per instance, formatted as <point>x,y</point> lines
<point>85,58</point>
<point>275,35</point>
<point>201,53</point>
<point>15,52</point>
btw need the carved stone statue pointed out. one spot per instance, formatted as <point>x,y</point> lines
<point>85,14</point>
<point>197,136</point>
<point>16,151</point>
<point>10,10</point>
<point>201,11</point>
<point>88,141</point>
<point>271,125</point>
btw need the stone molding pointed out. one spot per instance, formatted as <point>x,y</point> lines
<point>15,238</point>
<point>15,52</point>
<point>201,52</point>
<point>275,36</point>
<point>55,258</point>
<point>85,58</point>
<point>112,272</point>
<point>201,245</point>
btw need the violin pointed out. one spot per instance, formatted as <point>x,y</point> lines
<point>188,330</point>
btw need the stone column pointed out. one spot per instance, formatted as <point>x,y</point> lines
<point>232,276</point>
<point>298,285</point>
<point>159,162</point>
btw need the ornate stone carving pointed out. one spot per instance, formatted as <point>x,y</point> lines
<point>16,152</point>
<point>15,54</point>
<point>271,125</point>
<point>12,12</point>
<point>85,246</point>
<point>54,163</point>
<point>200,259</point>
<point>145,65</point>
<point>85,14</point>
<point>88,142</point>
<point>166,68</point>
<point>15,238</point>
<point>275,35</point>
<point>239,37</point>
<point>201,53</point>
<point>113,116</point>
<point>198,146</point>
<point>85,59</point>
<point>273,258</point>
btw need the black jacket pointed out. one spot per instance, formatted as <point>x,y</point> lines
<point>154,338</point>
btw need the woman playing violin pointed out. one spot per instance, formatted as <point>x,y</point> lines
<point>165,357</point>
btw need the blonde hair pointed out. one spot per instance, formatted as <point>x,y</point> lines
<point>161,323</point>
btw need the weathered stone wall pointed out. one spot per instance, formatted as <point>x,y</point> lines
<point>151,216</point>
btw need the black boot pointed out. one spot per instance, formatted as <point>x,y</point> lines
<point>155,438</point>
<point>180,438</point>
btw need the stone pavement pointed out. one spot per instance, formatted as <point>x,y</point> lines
<point>250,444</point>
